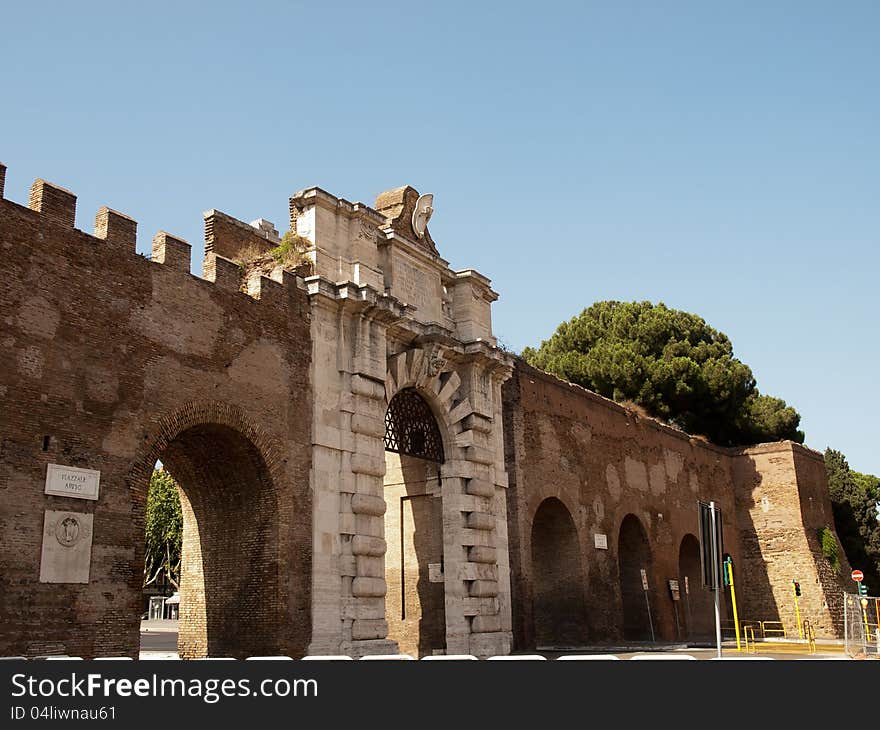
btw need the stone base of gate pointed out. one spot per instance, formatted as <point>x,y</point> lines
<point>497,643</point>
<point>358,649</point>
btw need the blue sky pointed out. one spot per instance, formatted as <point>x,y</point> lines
<point>721,158</point>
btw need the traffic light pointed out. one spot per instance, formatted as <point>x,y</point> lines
<point>797,588</point>
<point>726,570</point>
<point>863,589</point>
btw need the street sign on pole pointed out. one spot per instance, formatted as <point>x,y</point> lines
<point>710,556</point>
<point>858,576</point>
<point>711,542</point>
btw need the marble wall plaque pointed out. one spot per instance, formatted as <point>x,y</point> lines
<point>71,481</point>
<point>67,547</point>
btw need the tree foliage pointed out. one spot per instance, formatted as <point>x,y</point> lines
<point>672,364</point>
<point>854,499</point>
<point>164,530</point>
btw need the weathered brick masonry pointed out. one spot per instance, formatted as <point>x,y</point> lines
<point>110,361</point>
<point>599,464</point>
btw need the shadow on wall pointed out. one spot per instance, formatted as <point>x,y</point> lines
<point>753,587</point>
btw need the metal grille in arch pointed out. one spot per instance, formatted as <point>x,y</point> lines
<point>411,429</point>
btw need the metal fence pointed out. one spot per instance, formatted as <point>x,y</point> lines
<point>861,625</point>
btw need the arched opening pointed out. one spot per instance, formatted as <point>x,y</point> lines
<point>231,602</point>
<point>558,604</point>
<point>415,598</point>
<point>634,557</point>
<point>699,604</point>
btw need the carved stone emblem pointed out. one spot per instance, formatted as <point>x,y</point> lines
<point>67,531</point>
<point>422,214</point>
<point>436,363</point>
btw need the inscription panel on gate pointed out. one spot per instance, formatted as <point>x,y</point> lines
<point>417,287</point>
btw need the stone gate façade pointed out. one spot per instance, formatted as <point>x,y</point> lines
<point>362,469</point>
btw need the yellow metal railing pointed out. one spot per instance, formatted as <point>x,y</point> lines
<point>810,636</point>
<point>749,636</point>
<point>773,628</point>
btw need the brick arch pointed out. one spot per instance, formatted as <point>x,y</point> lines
<point>196,413</point>
<point>233,600</point>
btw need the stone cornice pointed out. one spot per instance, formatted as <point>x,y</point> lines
<point>392,237</point>
<point>321,198</point>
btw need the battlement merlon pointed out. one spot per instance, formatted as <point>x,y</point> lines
<point>234,239</point>
<point>116,228</point>
<point>53,202</point>
<point>56,207</point>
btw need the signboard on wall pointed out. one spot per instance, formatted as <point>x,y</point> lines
<point>72,481</point>
<point>600,541</point>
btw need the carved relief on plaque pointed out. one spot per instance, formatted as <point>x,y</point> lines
<point>67,547</point>
<point>67,531</point>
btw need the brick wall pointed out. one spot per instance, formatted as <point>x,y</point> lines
<point>114,361</point>
<point>606,464</point>
<point>782,502</point>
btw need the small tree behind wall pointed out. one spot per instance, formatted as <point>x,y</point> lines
<point>164,529</point>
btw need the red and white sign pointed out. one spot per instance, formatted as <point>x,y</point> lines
<point>857,576</point>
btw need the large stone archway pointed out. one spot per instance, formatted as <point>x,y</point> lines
<point>414,455</point>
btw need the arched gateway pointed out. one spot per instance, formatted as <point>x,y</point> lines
<point>409,478</point>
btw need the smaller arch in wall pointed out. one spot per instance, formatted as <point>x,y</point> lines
<point>634,556</point>
<point>559,609</point>
<point>699,605</point>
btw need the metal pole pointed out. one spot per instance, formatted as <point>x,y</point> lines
<point>729,568</point>
<point>845,625</point>
<point>716,578</point>
<point>687,609</point>
<point>650,620</point>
